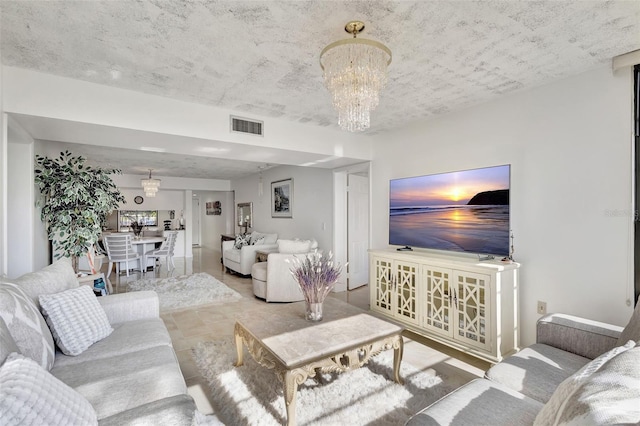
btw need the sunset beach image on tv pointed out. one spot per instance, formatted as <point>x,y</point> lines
<point>464,211</point>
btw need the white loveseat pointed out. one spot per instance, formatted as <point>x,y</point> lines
<point>272,280</point>
<point>131,376</point>
<point>242,259</point>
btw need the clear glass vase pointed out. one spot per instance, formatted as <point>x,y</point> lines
<point>313,311</point>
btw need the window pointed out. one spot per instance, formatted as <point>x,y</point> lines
<point>143,217</point>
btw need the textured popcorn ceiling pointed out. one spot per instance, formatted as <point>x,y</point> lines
<point>261,57</point>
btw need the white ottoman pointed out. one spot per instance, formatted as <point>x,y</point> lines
<point>259,279</point>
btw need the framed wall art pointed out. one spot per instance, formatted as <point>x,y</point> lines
<point>213,208</point>
<point>282,198</point>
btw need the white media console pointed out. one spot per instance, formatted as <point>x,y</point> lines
<point>459,301</point>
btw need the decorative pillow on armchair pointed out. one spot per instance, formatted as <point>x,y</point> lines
<point>241,240</point>
<point>257,241</point>
<point>259,238</point>
<point>294,246</point>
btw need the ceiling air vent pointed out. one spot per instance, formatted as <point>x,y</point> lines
<point>242,125</point>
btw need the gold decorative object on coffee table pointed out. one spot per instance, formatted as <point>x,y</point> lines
<point>296,349</point>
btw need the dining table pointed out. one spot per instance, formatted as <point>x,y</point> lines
<point>143,245</point>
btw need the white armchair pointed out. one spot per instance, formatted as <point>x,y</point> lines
<point>272,280</point>
<point>241,260</point>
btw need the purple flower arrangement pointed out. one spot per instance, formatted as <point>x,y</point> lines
<point>316,274</point>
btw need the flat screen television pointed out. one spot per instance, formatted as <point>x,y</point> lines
<point>465,211</point>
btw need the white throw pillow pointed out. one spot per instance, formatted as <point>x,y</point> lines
<point>553,409</point>
<point>76,319</point>
<point>294,246</point>
<point>30,395</point>
<point>255,235</point>
<point>257,241</point>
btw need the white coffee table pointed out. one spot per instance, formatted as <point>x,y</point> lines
<point>297,349</point>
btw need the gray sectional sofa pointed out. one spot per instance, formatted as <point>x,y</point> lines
<point>579,372</point>
<point>130,376</point>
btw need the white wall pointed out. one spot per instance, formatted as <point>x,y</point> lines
<point>170,182</point>
<point>44,95</point>
<point>165,199</point>
<point>21,192</point>
<point>212,226</point>
<point>312,203</point>
<point>569,146</point>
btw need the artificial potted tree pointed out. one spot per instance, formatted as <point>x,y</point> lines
<point>75,201</point>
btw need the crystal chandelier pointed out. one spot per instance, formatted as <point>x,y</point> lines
<point>355,71</point>
<point>150,185</point>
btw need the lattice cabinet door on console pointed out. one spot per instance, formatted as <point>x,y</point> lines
<point>438,297</point>
<point>406,279</point>
<point>394,288</point>
<point>455,300</point>
<point>381,285</point>
<point>472,304</point>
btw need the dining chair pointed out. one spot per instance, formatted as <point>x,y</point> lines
<point>120,250</point>
<point>166,250</point>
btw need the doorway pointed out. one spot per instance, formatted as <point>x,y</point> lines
<point>351,224</point>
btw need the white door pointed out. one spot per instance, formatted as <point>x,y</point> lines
<point>195,228</point>
<point>358,230</point>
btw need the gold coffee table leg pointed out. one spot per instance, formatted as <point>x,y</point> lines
<point>398,349</point>
<point>239,351</point>
<point>290,390</point>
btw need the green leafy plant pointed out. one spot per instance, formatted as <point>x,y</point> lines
<point>75,200</point>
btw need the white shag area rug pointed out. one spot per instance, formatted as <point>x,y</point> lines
<point>252,395</point>
<point>186,291</point>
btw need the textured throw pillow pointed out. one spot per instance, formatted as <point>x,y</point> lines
<point>26,325</point>
<point>552,410</point>
<point>30,395</point>
<point>257,241</point>
<point>76,318</point>
<point>632,330</point>
<point>7,344</point>
<point>610,396</point>
<point>241,240</point>
<point>294,246</point>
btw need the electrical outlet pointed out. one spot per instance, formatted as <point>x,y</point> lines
<point>542,307</point>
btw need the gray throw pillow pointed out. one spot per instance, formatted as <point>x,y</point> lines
<point>57,277</point>
<point>76,318</point>
<point>30,395</point>
<point>552,410</point>
<point>610,396</point>
<point>7,344</point>
<point>26,325</point>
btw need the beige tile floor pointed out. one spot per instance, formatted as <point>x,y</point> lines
<point>190,326</point>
